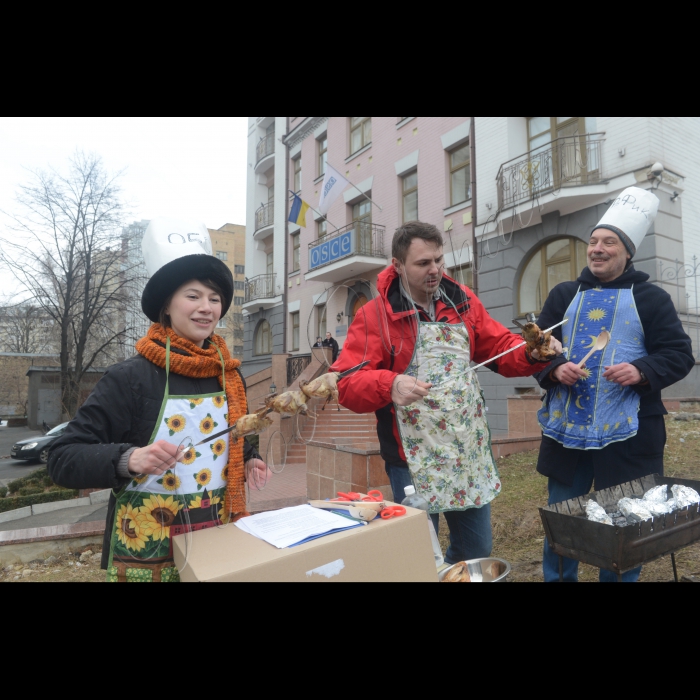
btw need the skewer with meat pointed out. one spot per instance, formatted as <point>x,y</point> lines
<point>253,424</point>
<point>291,403</point>
<point>325,387</point>
<point>537,340</point>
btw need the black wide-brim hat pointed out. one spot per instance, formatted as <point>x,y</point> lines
<point>172,276</point>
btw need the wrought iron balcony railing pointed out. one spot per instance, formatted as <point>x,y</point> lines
<point>566,162</point>
<point>260,287</point>
<point>265,216</point>
<point>358,238</point>
<point>266,147</point>
<point>295,366</point>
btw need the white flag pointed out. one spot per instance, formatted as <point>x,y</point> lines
<point>333,186</point>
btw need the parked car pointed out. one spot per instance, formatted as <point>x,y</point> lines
<point>37,447</point>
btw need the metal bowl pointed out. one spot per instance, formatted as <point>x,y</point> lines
<point>492,570</point>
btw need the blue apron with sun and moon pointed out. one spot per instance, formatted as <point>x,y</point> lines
<point>595,413</point>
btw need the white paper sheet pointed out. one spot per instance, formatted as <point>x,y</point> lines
<point>285,528</point>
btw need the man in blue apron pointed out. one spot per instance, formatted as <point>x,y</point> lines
<point>419,337</point>
<point>603,424</point>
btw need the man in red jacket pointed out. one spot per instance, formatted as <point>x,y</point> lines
<point>420,336</point>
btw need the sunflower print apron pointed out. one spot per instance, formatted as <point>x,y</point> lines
<point>446,436</point>
<point>595,413</point>
<point>152,509</point>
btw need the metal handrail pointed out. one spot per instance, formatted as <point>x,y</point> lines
<point>570,161</point>
<point>296,366</point>
<point>369,240</point>
<point>265,148</point>
<point>265,216</point>
<point>260,287</point>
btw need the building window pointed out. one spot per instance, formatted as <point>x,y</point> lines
<point>543,130</point>
<point>263,339</point>
<point>240,269</point>
<point>239,286</point>
<point>270,263</point>
<point>295,332</point>
<point>238,301</point>
<point>362,216</point>
<point>222,255</point>
<point>460,175</point>
<point>360,133</point>
<point>297,174</point>
<point>322,155</point>
<point>321,324</point>
<point>463,275</point>
<point>410,197</point>
<point>296,252</point>
<point>556,262</point>
<point>322,228</point>
<point>222,323</point>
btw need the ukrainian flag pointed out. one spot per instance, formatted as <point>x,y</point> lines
<point>297,215</point>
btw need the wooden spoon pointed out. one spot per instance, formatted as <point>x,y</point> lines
<point>603,340</point>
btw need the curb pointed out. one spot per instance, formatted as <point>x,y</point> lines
<point>94,499</point>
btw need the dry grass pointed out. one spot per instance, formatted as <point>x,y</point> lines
<point>518,531</point>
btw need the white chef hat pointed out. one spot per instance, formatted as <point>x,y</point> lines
<point>631,217</point>
<point>176,252</point>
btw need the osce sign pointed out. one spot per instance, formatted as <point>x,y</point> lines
<point>333,250</point>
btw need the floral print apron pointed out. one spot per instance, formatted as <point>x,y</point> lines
<point>446,437</point>
<point>152,509</point>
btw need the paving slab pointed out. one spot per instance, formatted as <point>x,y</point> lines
<point>68,516</point>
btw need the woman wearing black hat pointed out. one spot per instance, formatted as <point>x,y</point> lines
<point>137,432</point>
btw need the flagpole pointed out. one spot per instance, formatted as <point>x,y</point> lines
<point>361,192</point>
<point>366,197</point>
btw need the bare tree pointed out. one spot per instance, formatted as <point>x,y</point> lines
<point>65,252</point>
<point>25,329</point>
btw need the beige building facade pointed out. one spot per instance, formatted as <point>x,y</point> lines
<point>228,245</point>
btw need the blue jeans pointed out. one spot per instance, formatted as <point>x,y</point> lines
<point>558,493</point>
<point>471,536</point>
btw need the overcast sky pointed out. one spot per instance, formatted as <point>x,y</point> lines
<point>184,167</point>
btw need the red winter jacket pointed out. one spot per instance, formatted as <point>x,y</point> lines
<point>384,334</point>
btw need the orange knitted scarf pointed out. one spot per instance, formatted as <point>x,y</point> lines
<point>204,364</point>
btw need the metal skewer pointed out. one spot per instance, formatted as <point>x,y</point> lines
<point>517,347</point>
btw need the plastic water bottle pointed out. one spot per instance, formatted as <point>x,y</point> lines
<point>413,500</point>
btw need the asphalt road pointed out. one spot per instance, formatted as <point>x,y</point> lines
<point>11,469</point>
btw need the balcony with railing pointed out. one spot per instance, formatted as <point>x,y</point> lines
<point>261,291</point>
<point>265,218</point>
<point>353,250</point>
<point>573,161</point>
<point>263,151</point>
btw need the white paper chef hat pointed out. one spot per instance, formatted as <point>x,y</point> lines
<point>176,252</point>
<point>631,217</point>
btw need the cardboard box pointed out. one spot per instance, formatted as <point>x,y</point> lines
<point>392,551</point>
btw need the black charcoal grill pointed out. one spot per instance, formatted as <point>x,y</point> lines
<point>620,549</point>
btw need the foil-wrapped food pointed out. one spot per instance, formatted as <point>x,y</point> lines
<point>659,494</point>
<point>685,497</point>
<point>596,513</point>
<point>658,509</point>
<point>636,511</point>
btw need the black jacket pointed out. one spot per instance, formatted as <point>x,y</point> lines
<point>121,413</point>
<point>670,359</point>
<point>333,344</point>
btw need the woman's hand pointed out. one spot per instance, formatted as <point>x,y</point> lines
<point>258,474</point>
<point>155,459</point>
